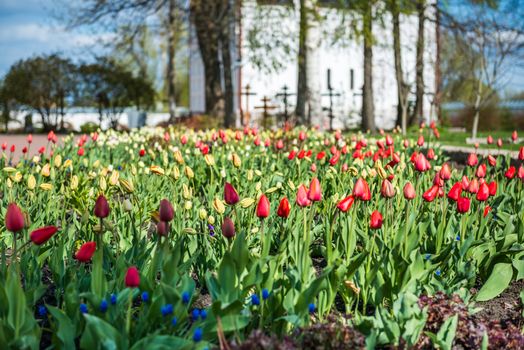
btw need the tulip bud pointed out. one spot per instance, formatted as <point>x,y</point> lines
<point>263,207</point>
<point>361,190</point>
<point>376,220</point>
<point>247,202</point>
<point>228,228</point>
<point>166,211</point>
<point>230,194</point>
<point>302,196</point>
<point>218,205</point>
<point>14,218</point>
<point>132,279</point>
<point>315,192</point>
<point>86,252</point>
<point>43,234</point>
<point>483,192</point>
<point>31,182</point>
<point>431,194</point>
<point>387,190</point>
<point>101,207</point>
<point>463,205</point>
<point>202,214</point>
<point>283,208</point>
<point>409,191</point>
<point>189,172</point>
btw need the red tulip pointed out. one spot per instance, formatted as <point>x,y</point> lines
<point>166,211</point>
<point>302,196</point>
<point>263,207</point>
<point>473,186</point>
<point>387,190</point>
<point>101,207</point>
<point>302,136</point>
<point>80,151</point>
<point>481,170</point>
<point>132,279</point>
<point>465,182</point>
<point>499,143</point>
<point>14,219</point>
<point>472,159</point>
<point>409,191</point>
<point>445,172</point>
<point>406,143</point>
<point>487,209</point>
<point>489,140</point>
<point>183,139</point>
<point>13,148</point>
<point>361,190</point>
<point>315,192</point>
<point>24,150</point>
<point>345,204</point>
<point>421,163</point>
<point>292,154</point>
<point>376,220</point>
<point>29,138</point>
<point>431,194</point>
<point>420,141</point>
<point>520,173</point>
<point>228,228</point>
<point>514,135</point>
<point>42,234</point>
<point>142,152</point>
<point>321,155</point>
<point>86,252</point>
<point>510,173</point>
<point>492,188</point>
<point>389,140</point>
<point>162,228</point>
<point>521,153</point>
<point>463,204</point>
<point>437,180</point>
<point>283,208</point>
<point>483,192</point>
<point>280,144</point>
<point>334,159</point>
<point>230,194</point>
<point>492,160</point>
<point>41,150</point>
<point>431,154</point>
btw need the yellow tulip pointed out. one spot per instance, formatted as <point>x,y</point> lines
<point>188,205</point>
<point>46,186</point>
<point>247,202</point>
<point>176,173</point>
<point>211,220</point>
<point>9,183</point>
<point>46,170</point>
<point>74,182</point>
<point>219,206</point>
<point>202,214</point>
<point>67,164</point>
<point>9,169</point>
<point>210,160</point>
<point>113,180</point>
<point>58,161</point>
<point>178,157</point>
<point>102,183</point>
<point>31,182</point>
<point>236,160</point>
<point>155,169</point>
<point>17,177</point>
<point>127,185</point>
<point>186,192</point>
<point>189,172</point>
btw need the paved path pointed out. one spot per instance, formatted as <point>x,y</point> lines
<point>479,151</point>
<point>20,141</point>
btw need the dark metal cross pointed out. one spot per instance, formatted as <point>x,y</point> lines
<point>266,107</point>
<point>247,92</point>
<point>285,94</point>
<point>331,93</point>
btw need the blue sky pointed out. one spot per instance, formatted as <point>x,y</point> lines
<point>27,28</point>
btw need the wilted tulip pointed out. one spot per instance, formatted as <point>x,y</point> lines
<point>230,194</point>
<point>283,208</point>
<point>228,228</point>
<point>132,279</point>
<point>86,252</point>
<point>315,192</point>
<point>387,190</point>
<point>483,192</point>
<point>409,191</point>
<point>463,204</point>
<point>166,211</point>
<point>14,218</point>
<point>101,207</point>
<point>345,204</point>
<point>376,220</point>
<point>302,196</point>
<point>263,207</point>
<point>42,234</point>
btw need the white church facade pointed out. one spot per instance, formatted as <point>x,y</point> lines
<point>342,61</point>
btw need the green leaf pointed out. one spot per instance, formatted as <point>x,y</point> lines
<point>99,334</point>
<point>17,303</point>
<point>498,281</point>
<point>162,342</point>
<point>65,333</point>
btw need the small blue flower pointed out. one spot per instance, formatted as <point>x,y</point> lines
<point>166,309</point>
<point>457,238</point>
<point>145,297</point>
<point>203,314</point>
<point>103,305</point>
<point>311,308</point>
<point>113,299</point>
<point>265,293</point>
<point>428,256</point>
<point>83,308</point>
<point>119,167</point>
<point>255,300</point>
<point>195,314</point>
<point>438,272</point>
<point>197,336</point>
<point>42,311</point>
<point>174,321</point>
<point>185,297</point>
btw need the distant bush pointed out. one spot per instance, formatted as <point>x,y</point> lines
<point>88,127</point>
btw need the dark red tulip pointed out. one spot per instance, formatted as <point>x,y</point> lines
<point>345,204</point>
<point>510,173</point>
<point>263,207</point>
<point>86,252</point>
<point>387,190</point>
<point>492,188</point>
<point>142,152</point>
<point>132,279</point>
<point>409,191</point>
<point>101,207</point>
<point>315,192</point>
<point>42,234</point>
<point>302,196</point>
<point>431,194</point>
<point>162,228</point>
<point>463,204</point>
<point>230,194</point>
<point>14,218</point>
<point>228,228</point>
<point>166,211</point>
<point>376,220</point>
<point>283,208</point>
<point>361,190</point>
<point>483,192</point>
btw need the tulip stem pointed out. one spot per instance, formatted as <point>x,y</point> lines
<point>329,239</point>
<point>263,240</point>
<point>14,253</point>
<point>128,317</point>
<point>406,231</point>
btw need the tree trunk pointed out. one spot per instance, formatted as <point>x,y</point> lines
<point>476,107</point>
<point>204,16</point>
<point>229,116</point>
<point>368,115</point>
<point>402,90</point>
<point>302,83</point>
<point>171,61</point>
<point>418,111</point>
